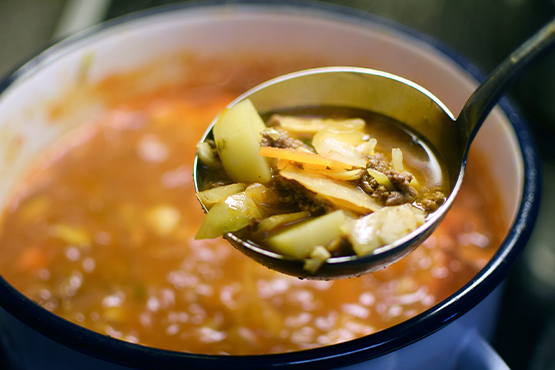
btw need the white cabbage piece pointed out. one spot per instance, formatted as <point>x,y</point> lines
<point>383,227</point>
<point>310,126</point>
<point>340,146</point>
<point>367,147</point>
<point>397,159</point>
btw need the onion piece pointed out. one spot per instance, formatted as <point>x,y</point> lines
<point>335,174</point>
<point>301,156</point>
<point>310,126</point>
<point>368,147</point>
<point>397,159</point>
<point>340,146</point>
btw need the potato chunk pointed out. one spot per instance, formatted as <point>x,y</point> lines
<point>299,240</point>
<point>237,136</point>
<point>233,214</point>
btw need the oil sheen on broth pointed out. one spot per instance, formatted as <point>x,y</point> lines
<point>101,232</point>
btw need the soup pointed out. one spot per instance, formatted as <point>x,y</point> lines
<point>101,232</point>
<point>316,182</point>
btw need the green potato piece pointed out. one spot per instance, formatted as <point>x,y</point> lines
<point>299,240</point>
<point>237,136</point>
<point>233,214</point>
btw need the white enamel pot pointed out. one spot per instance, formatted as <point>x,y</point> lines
<point>452,334</point>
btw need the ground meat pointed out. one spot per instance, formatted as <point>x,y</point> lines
<point>397,198</point>
<point>298,198</point>
<point>402,192</point>
<point>284,141</point>
<point>368,183</point>
<point>378,162</point>
<point>432,201</point>
<point>400,180</point>
<point>380,194</point>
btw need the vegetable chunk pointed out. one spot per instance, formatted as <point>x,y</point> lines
<point>212,196</point>
<point>237,136</point>
<point>382,227</point>
<point>233,214</point>
<point>299,240</point>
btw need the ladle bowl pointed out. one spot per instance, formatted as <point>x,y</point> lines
<point>367,89</point>
<point>412,105</point>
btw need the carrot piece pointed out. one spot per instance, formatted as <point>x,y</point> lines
<point>302,157</point>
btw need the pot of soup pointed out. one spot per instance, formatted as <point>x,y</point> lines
<point>99,264</point>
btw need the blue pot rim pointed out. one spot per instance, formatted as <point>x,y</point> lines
<point>334,356</point>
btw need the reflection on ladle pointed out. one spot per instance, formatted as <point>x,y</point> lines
<point>404,101</point>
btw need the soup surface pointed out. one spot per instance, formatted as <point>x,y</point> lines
<point>101,232</point>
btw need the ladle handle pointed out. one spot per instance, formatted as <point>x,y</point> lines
<point>496,84</point>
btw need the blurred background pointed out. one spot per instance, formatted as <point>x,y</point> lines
<point>484,31</point>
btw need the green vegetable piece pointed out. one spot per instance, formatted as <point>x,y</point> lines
<point>237,136</point>
<point>233,214</point>
<point>215,195</point>
<point>299,240</point>
<point>207,156</point>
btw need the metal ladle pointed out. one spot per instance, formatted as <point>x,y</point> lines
<point>398,98</point>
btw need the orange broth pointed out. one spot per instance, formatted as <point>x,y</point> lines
<point>102,230</point>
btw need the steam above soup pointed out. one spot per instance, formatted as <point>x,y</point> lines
<point>316,181</point>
